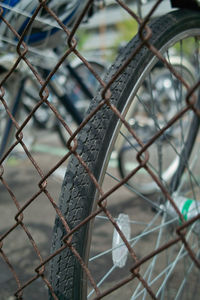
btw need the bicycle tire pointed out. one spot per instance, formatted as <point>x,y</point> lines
<point>95,145</point>
<point>21,100</point>
<point>77,95</point>
<point>7,128</point>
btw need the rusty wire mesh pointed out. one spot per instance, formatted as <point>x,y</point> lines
<point>18,218</point>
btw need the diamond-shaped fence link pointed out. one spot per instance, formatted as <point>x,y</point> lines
<point>127,212</point>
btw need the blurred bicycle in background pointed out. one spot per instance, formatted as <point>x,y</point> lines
<point>71,89</point>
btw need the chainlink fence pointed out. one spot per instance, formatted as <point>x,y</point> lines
<point>24,275</point>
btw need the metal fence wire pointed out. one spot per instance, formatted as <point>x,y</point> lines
<point>158,179</point>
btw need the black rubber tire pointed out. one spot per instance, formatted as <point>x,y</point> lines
<point>78,192</point>
<point>13,88</point>
<point>83,72</point>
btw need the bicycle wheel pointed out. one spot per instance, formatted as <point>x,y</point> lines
<point>21,96</point>
<point>77,95</point>
<point>11,94</point>
<point>76,92</point>
<point>164,102</point>
<point>42,118</point>
<point>171,274</point>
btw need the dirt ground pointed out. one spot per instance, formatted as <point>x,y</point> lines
<point>23,180</point>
